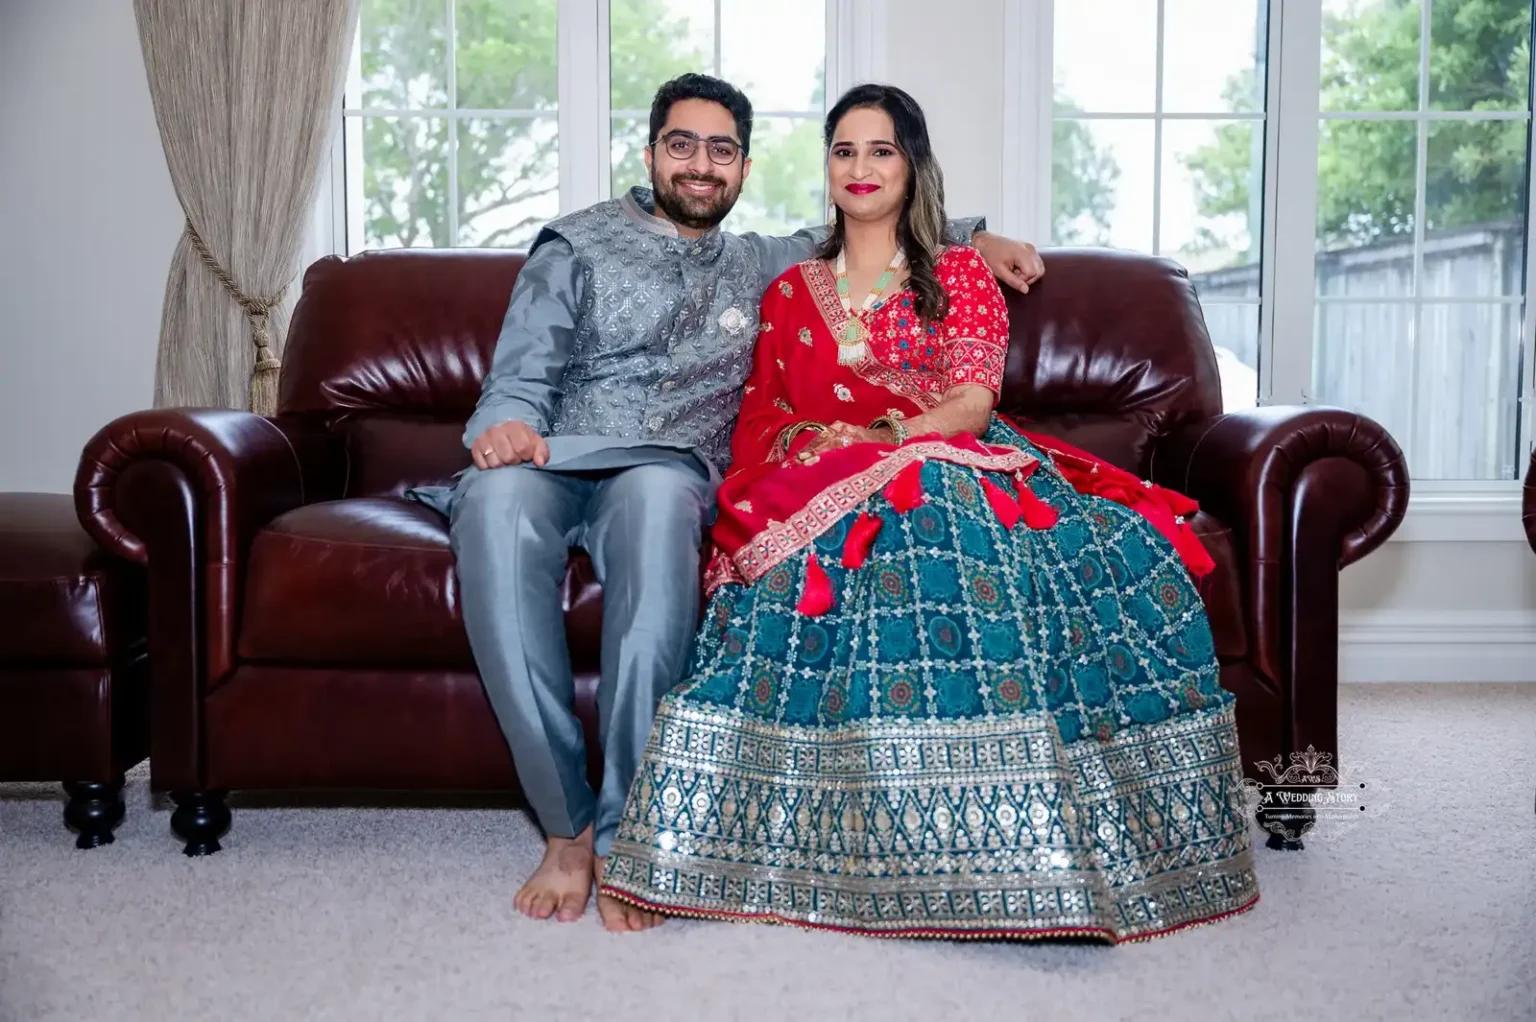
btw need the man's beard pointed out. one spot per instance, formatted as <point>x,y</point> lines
<point>697,212</point>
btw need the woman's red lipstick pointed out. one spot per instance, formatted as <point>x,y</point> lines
<point>863,189</point>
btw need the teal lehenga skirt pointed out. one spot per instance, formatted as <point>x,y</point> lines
<point>992,734</point>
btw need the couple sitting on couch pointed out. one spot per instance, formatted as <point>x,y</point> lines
<point>953,678</point>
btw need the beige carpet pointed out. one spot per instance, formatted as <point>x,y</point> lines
<point>1427,911</point>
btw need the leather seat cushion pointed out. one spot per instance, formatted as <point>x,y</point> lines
<point>372,582</point>
<point>63,601</point>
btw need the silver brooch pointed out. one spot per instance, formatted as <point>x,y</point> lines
<point>733,321</point>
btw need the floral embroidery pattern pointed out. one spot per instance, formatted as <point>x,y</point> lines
<point>805,335</point>
<point>843,393</point>
<point>921,361</point>
<point>786,289</point>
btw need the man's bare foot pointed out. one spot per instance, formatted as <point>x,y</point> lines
<point>562,884</point>
<point>620,916</point>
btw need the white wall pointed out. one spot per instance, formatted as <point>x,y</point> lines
<point>949,56</point>
<point>89,221</point>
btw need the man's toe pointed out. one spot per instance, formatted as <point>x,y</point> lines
<point>571,906</point>
<point>543,905</point>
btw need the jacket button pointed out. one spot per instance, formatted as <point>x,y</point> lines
<point>655,424</point>
<point>668,384</point>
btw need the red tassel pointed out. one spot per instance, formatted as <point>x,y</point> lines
<point>816,600</point>
<point>1005,507</point>
<point>905,492</point>
<point>1037,513</point>
<point>861,536</point>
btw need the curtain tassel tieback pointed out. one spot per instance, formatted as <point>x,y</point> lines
<point>264,373</point>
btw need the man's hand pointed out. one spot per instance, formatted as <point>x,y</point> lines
<point>1015,263</point>
<point>509,443</point>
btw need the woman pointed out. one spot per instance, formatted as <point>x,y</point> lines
<point>939,692</point>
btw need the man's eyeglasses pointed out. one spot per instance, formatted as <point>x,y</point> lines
<point>680,145</point>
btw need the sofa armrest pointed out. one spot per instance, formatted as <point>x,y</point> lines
<point>1528,503</point>
<point>185,491</point>
<point>1305,491</point>
<point>1248,468</point>
<point>244,469</point>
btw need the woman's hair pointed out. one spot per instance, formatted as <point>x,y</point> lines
<point>920,230</point>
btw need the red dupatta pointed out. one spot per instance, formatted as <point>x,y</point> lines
<point>772,505</point>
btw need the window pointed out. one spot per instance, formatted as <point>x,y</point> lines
<point>1420,270</point>
<point>451,117</point>
<point>1171,133</point>
<point>775,53</point>
<point>454,130</point>
<point>1158,145</point>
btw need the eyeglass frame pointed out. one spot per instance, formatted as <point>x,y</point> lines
<point>694,141</point>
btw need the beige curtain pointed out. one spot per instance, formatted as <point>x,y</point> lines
<point>245,93</point>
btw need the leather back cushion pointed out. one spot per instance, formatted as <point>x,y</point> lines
<point>390,349</point>
<point>1108,352</point>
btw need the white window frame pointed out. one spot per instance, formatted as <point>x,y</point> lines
<point>855,52</point>
<point>1439,510</point>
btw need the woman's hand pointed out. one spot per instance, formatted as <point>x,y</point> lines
<point>837,435</point>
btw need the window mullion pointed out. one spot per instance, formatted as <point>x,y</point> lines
<point>1157,137</point>
<point>582,102</point>
<point>856,45</point>
<point>1290,214</point>
<point>1420,183</point>
<point>453,123</point>
<point>1028,115</point>
<point>1527,405</point>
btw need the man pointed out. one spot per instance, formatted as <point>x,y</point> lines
<point>605,423</point>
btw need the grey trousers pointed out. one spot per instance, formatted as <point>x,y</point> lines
<point>642,526</point>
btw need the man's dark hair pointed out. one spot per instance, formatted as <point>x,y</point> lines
<point>694,86</point>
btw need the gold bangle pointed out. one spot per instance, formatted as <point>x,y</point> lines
<point>791,432</point>
<point>898,430</point>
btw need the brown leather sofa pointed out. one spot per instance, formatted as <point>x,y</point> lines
<point>305,627</point>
